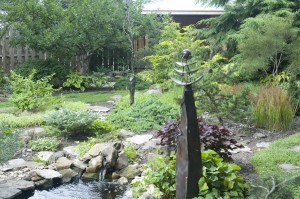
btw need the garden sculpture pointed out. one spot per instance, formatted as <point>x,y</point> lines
<point>188,162</point>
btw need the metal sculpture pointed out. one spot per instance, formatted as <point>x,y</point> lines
<point>188,162</point>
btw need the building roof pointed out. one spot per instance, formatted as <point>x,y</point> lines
<point>180,7</point>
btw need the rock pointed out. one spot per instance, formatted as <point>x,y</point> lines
<point>55,156</point>
<point>45,155</point>
<point>7,192</point>
<point>79,164</point>
<point>139,139</point>
<point>116,97</point>
<point>289,167</point>
<point>123,181</point>
<point>147,195</point>
<point>71,151</point>
<point>95,164</point>
<point>125,133</point>
<point>130,171</point>
<point>17,164</point>
<point>296,148</point>
<point>259,135</point>
<point>48,173</point>
<point>32,133</point>
<point>90,176</point>
<point>154,92</point>
<point>20,184</point>
<point>106,150</point>
<point>151,144</point>
<point>263,144</point>
<point>63,163</point>
<point>44,184</point>
<point>122,161</point>
<point>114,175</point>
<point>238,150</point>
<point>99,109</point>
<point>68,175</point>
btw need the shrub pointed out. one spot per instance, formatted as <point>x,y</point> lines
<point>70,122</point>
<point>77,80</point>
<point>130,152</point>
<point>273,109</point>
<point>98,79</point>
<point>46,143</point>
<point>211,137</point>
<point>28,94</point>
<point>44,68</point>
<point>147,112</point>
<point>124,84</point>
<point>85,146</point>
<point>100,127</point>
<point>9,142</point>
<point>14,121</point>
<point>219,179</point>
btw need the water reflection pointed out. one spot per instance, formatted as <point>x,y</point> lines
<point>82,190</point>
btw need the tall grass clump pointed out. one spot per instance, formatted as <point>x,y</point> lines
<point>273,109</point>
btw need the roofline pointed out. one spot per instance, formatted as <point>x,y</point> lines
<point>185,12</point>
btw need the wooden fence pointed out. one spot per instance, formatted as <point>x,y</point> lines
<point>112,59</point>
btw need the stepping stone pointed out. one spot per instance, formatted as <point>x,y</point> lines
<point>139,139</point>
<point>48,173</point>
<point>263,144</point>
<point>289,167</point>
<point>238,150</point>
<point>296,148</point>
<point>99,109</point>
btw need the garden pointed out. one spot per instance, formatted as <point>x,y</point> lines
<point>110,124</point>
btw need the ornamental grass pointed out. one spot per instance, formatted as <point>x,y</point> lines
<point>273,109</point>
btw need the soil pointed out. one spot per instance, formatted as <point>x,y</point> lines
<point>249,136</point>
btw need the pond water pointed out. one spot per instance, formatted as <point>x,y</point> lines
<point>83,190</point>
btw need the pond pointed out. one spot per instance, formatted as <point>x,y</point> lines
<point>83,190</point>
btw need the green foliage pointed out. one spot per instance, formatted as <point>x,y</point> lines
<point>273,109</point>
<point>15,121</point>
<point>73,106</point>
<point>46,143</point>
<point>100,127</point>
<point>265,41</point>
<point>70,122</point>
<point>76,80</point>
<point>154,113</point>
<point>28,94</point>
<point>98,79</point>
<point>220,179</point>
<point>279,152</point>
<point>44,68</point>
<point>124,84</point>
<point>161,172</point>
<point>130,151</point>
<point>85,146</point>
<point>9,142</point>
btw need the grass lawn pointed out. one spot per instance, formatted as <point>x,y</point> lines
<point>266,164</point>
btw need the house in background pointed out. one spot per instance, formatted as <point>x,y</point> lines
<point>185,12</point>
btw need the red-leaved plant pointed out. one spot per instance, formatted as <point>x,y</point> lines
<point>211,137</point>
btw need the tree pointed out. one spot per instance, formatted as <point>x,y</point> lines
<point>65,28</point>
<point>267,41</point>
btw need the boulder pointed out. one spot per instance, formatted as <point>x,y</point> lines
<point>23,185</point>
<point>122,161</point>
<point>48,173</point>
<point>123,181</point>
<point>79,164</point>
<point>7,192</point>
<point>139,139</point>
<point>45,155</point>
<point>71,151</point>
<point>130,171</point>
<point>63,163</point>
<point>68,175</point>
<point>44,184</point>
<point>17,164</point>
<point>114,175</point>
<point>55,156</point>
<point>90,176</point>
<point>106,150</point>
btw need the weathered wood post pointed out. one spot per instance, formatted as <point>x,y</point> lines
<point>188,162</point>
